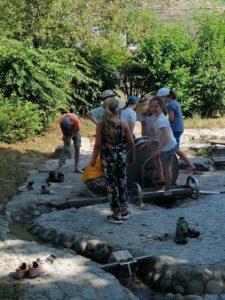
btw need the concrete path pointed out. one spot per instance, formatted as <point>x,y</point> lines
<point>71,276</point>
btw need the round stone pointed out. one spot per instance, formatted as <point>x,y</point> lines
<point>178,297</point>
<point>214,287</point>
<point>179,289</point>
<point>102,253</point>
<point>79,245</point>
<point>193,297</point>
<point>169,296</point>
<point>195,287</point>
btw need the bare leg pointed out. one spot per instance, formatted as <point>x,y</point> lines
<point>186,160</point>
<point>77,160</point>
<point>159,168</point>
<point>168,176</point>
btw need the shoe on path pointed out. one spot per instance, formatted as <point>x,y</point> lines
<point>180,236</point>
<point>114,220</point>
<point>35,269</point>
<point>22,270</point>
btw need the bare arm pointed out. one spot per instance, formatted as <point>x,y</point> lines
<point>91,117</point>
<point>97,146</point>
<point>165,138</point>
<point>131,127</point>
<point>143,128</point>
<point>171,116</point>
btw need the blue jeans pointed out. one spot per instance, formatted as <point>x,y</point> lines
<point>177,135</point>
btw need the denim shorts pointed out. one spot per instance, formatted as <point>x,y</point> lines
<point>166,157</point>
<point>177,135</point>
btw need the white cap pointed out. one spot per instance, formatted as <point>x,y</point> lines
<point>163,92</point>
<point>107,94</point>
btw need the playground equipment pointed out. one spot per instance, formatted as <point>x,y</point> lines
<point>143,178</point>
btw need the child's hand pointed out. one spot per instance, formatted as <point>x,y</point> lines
<point>143,147</point>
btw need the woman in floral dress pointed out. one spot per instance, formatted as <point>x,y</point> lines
<point>113,139</point>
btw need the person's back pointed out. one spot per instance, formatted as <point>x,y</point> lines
<point>177,123</point>
<point>120,140</point>
<point>73,119</point>
<point>112,138</point>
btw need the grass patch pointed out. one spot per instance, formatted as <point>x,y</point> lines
<point>21,233</point>
<point>198,123</point>
<point>10,291</point>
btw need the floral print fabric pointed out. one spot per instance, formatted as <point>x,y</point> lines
<point>114,163</point>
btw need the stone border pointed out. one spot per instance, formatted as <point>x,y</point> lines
<point>185,279</point>
<point>94,249</point>
<point>162,275</point>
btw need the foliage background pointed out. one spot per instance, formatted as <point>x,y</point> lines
<point>58,54</point>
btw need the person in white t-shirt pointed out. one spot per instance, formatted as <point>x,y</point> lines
<point>128,115</point>
<point>167,145</point>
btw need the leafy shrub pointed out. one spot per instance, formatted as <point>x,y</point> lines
<point>18,120</point>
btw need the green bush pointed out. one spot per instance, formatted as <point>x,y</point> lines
<point>19,120</point>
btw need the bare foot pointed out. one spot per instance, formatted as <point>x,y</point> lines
<point>189,169</point>
<point>78,170</point>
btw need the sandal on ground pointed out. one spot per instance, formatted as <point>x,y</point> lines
<point>35,269</point>
<point>126,215</point>
<point>22,270</point>
<point>114,220</point>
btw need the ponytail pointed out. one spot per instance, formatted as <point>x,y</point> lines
<point>108,125</point>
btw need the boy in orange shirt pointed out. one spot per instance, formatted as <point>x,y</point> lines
<point>70,127</point>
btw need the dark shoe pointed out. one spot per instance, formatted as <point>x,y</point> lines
<point>44,191</point>
<point>30,185</point>
<point>60,177</point>
<point>193,233</point>
<point>180,235</point>
<point>51,177</point>
<point>55,177</point>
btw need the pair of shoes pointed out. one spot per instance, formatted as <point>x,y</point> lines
<point>183,231</point>
<point>113,219</point>
<point>32,270</point>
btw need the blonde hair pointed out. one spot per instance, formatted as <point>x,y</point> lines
<point>108,125</point>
